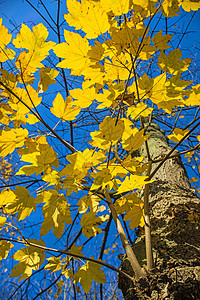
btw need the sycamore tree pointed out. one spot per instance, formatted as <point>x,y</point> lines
<point>95,121</point>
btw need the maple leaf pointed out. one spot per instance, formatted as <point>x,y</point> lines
<point>135,140</point>
<point>47,76</point>
<point>158,91</point>
<point>89,223</point>
<point>189,5</point>
<point>23,203</point>
<point>160,41</point>
<point>40,161</point>
<point>84,97</point>
<point>118,7</point>
<point>91,202</point>
<point>109,132</point>
<point>5,246</point>
<point>132,205</point>
<point>2,221</point>
<point>5,38</point>
<point>29,96</point>
<point>136,216</point>
<point>88,272</point>
<point>125,204</point>
<point>51,177</point>
<point>140,110</point>
<point>92,18</point>
<point>30,258</point>
<point>119,68</point>
<point>11,139</point>
<point>74,52</point>
<point>133,182</point>
<point>171,63</point>
<point>177,135</point>
<point>54,264</point>
<point>6,196</point>
<point>66,110</point>
<point>56,212</point>
<point>35,43</point>
<point>102,178</point>
<point>170,8</point>
<point>193,97</point>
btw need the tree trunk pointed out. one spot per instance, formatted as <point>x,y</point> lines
<point>175,210</point>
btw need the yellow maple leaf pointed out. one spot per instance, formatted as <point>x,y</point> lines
<point>102,178</point>
<point>88,272</point>
<point>118,7</point>
<point>109,133</point>
<point>54,264</point>
<point>29,96</point>
<point>90,222</point>
<point>172,62</point>
<point>92,18</point>
<point>135,140</point>
<point>47,76</point>
<point>136,216</point>
<point>170,8</point>
<point>30,258</point>
<point>66,110</point>
<point>6,197</point>
<point>51,177</point>
<point>5,246</point>
<point>88,201</point>
<point>193,97</point>
<point>189,5</point>
<point>133,182</point>
<point>94,74</point>
<point>23,203</point>
<point>40,161</point>
<point>34,41</point>
<point>119,68</point>
<point>96,52</point>
<point>177,135</point>
<point>5,38</point>
<point>140,110</point>
<point>125,204</point>
<point>84,96</point>
<point>74,52</point>
<point>12,139</point>
<point>38,49</point>
<point>2,221</point>
<point>158,90</point>
<point>160,41</point>
<point>56,212</point>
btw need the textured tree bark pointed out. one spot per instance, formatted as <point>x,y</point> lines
<point>175,211</point>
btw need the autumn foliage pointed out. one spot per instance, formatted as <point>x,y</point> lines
<point>109,51</point>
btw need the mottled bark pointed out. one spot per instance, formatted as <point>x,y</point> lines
<point>175,210</point>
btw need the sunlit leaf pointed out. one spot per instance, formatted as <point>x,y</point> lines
<point>178,134</point>
<point>74,52</point>
<point>92,19</point>
<point>11,139</point>
<point>88,272</point>
<point>30,258</point>
<point>5,246</point>
<point>54,264</point>
<point>56,212</point>
<point>90,222</point>
<point>47,76</point>
<point>66,110</point>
